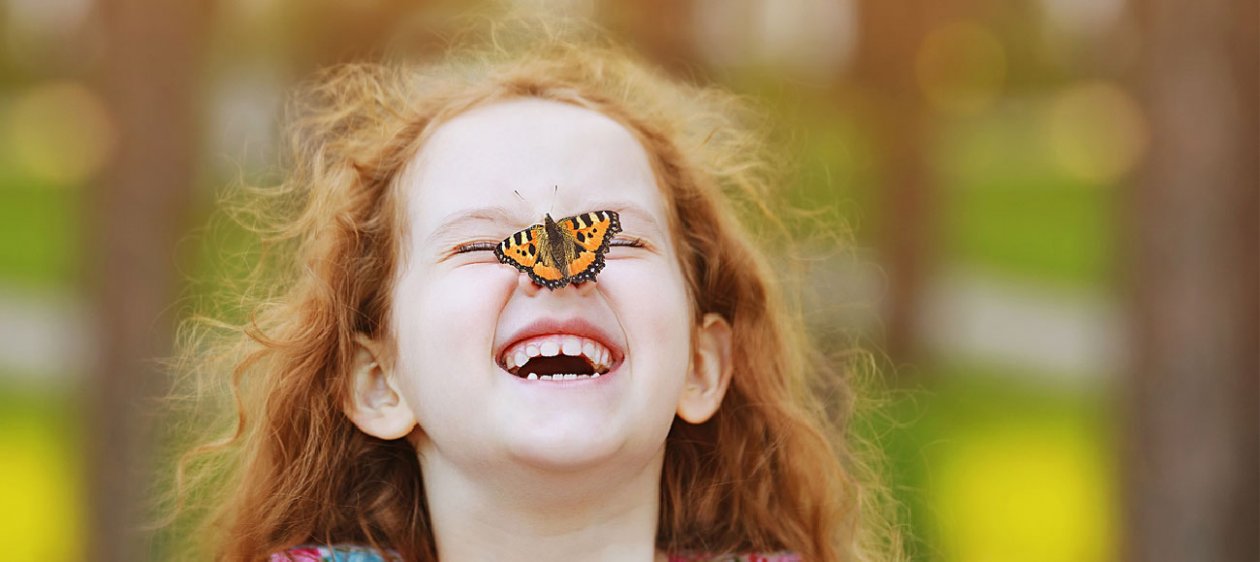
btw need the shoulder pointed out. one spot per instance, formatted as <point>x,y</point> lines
<point>334,553</point>
<point>748,557</point>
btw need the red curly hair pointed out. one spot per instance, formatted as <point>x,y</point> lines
<point>770,471</point>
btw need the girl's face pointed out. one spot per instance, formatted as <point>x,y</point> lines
<point>458,316</point>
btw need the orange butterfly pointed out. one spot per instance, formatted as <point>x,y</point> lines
<point>556,253</point>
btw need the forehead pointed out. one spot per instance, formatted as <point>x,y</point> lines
<point>559,157</point>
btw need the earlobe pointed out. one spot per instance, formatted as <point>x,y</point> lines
<point>376,406</point>
<point>710,372</point>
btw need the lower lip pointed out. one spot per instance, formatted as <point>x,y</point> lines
<point>567,383</point>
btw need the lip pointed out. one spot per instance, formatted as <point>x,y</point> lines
<point>571,326</point>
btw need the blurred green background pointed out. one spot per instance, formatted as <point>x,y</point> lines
<point>1052,205</point>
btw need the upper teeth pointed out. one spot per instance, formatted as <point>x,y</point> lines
<point>557,344</point>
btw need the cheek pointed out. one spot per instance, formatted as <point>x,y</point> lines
<point>652,302</point>
<point>445,325</point>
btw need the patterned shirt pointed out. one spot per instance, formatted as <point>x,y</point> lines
<point>350,553</point>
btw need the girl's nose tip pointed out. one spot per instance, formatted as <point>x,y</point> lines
<point>526,284</point>
<point>529,287</point>
<point>585,287</point>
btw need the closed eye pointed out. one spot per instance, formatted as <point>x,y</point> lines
<point>474,247</point>
<point>624,241</point>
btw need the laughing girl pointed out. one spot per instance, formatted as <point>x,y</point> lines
<point>405,391</point>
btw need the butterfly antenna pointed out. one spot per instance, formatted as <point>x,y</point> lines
<point>554,191</point>
<point>525,201</point>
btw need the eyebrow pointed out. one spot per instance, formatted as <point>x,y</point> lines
<point>633,210</point>
<point>452,223</point>
<point>500,216</point>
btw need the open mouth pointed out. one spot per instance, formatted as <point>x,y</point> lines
<point>557,357</point>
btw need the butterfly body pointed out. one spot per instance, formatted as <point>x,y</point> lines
<point>556,253</point>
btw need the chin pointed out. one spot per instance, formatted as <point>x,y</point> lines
<point>569,449</point>
<point>579,447</point>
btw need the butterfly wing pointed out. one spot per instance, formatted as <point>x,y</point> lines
<point>520,250</point>
<point>590,233</point>
<point>548,275</point>
<point>524,250</point>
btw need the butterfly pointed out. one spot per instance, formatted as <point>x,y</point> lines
<point>556,253</point>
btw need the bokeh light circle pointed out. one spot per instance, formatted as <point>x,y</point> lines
<point>58,133</point>
<point>1096,132</point>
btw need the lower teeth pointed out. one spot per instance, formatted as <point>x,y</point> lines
<point>559,377</point>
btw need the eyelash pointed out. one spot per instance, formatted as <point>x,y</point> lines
<point>487,246</point>
<point>630,242</point>
<point>474,247</point>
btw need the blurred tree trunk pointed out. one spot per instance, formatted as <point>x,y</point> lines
<point>891,33</point>
<point>335,31</point>
<point>1191,459</point>
<point>663,29</point>
<point>150,72</point>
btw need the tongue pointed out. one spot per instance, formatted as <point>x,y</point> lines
<point>558,365</point>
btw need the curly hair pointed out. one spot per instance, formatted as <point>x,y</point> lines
<point>772,470</point>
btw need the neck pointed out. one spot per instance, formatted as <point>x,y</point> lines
<point>609,514</point>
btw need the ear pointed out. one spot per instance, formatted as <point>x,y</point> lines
<point>376,407</point>
<point>710,372</point>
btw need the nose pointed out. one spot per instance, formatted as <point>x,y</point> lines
<point>584,288</point>
<point>527,285</point>
<point>530,288</point>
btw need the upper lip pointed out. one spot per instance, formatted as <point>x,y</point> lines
<point>570,326</point>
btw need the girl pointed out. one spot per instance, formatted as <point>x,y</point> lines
<point>388,389</point>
